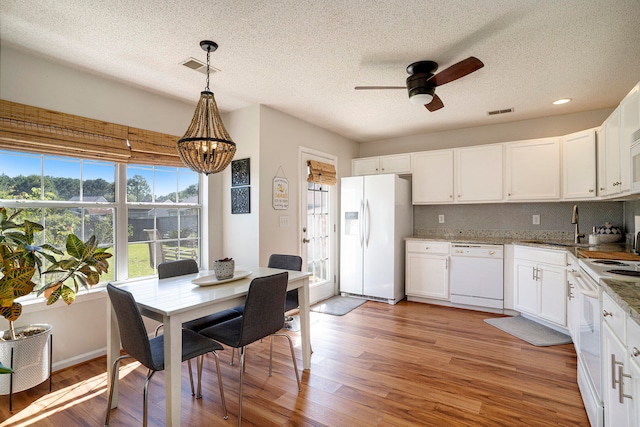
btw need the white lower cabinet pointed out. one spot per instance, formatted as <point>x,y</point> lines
<point>621,371</point>
<point>540,278</point>
<point>427,269</point>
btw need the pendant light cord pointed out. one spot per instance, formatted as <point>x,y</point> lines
<point>208,53</point>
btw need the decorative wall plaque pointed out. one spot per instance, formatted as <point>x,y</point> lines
<point>280,193</point>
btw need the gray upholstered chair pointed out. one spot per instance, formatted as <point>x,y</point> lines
<point>284,262</point>
<point>177,268</point>
<point>150,352</point>
<point>263,314</point>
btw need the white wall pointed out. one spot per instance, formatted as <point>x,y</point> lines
<point>240,232</point>
<point>489,134</point>
<point>281,136</point>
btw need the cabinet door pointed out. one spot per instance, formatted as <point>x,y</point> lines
<point>399,164</point>
<point>611,128</point>
<point>629,123</point>
<point>479,175</point>
<point>432,180</point>
<point>427,276</point>
<point>616,413</point>
<point>602,162</point>
<point>553,293</point>
<point>634,390</point>
<point>579,165</point>
<point>366,166</point>
<point>526,286</point>
<point>533,169</point>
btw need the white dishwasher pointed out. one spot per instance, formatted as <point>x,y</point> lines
<point>476,275</point>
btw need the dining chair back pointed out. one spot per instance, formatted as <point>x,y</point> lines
<point>150,352</point>
<point>177,268</point>
<point>263,314</point>
<point>287,262</point>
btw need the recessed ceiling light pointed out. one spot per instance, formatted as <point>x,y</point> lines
<point>562,101</point>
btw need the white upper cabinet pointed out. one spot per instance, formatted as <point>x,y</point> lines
<point>432,180</point>
<point>478,173</point>
<point>397,163</point>
<point>579,165</point>
<point>533,169</point>
<point>611,133</point>
<point>365,166</point>
<point>400,164</point>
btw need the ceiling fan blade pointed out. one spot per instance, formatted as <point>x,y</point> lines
<point>456,71</point>
<point>435,104</point>
<point>379,87</point>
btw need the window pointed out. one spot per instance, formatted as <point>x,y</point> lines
<point>65,195</point>
<point>163,205</point>
<point>80,196</point>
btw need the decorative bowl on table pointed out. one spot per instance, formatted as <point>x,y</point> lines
<point>224,268</point>
<point>607,233</point>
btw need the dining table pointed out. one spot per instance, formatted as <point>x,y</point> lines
<point>176,300</point>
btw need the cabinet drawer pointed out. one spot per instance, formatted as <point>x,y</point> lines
<point>613,316</point>
<point>544,256</point>
<point>633,339</point>
<point>428,247</point>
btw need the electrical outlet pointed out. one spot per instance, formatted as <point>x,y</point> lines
<point>441,219</point>
<point>536,220</point>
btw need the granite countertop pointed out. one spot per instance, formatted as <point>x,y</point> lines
<point>625,293</point>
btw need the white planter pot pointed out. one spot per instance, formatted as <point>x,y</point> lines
<point>30,359</point>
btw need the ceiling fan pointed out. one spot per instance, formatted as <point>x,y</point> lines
<point>422,81</point>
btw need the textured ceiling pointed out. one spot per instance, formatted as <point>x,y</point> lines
<point>305,57</point>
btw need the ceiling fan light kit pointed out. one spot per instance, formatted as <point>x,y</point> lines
<point>206,147</point>
<point>422,82</point>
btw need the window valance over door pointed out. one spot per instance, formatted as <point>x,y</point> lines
<point>321,173</point>
<point>42,131</point>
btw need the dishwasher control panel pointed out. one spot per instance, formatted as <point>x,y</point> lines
<point>478,251</point>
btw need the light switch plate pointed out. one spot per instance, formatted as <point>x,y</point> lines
<point>536,220</point>
<point>284,221</point>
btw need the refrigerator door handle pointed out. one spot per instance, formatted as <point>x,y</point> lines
<point>361,223</point>
<point>367,223</point>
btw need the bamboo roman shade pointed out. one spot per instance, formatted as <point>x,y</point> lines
<point>42,131</point>
<point>321,173</point>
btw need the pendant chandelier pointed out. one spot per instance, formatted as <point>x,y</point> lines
<point>206,147</point>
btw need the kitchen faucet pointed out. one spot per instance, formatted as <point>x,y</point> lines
<point>574,220</point>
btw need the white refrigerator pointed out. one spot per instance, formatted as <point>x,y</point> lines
<point>376,217</point>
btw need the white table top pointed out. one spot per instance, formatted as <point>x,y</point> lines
<point>167,297</point>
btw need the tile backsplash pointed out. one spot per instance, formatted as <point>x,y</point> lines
<point>554,217</point>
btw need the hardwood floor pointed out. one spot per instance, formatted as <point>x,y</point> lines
<point>380,365</point>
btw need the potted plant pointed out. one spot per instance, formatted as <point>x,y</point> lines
<point>20,260</point>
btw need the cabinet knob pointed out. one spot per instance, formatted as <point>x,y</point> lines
<point>635,352</point>
<point>601,188</point>
<point>606,313</point>
<point>451,196</point>
<point>591,190</point>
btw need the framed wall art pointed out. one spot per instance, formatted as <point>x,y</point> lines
<point>240,172</point>
<point>240,200</point>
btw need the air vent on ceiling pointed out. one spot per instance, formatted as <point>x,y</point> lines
<point>494,112</point>
<point>194,64</point>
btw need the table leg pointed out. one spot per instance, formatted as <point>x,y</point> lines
<point>305,330</point>
<point>172,365</point>
<point>113,350</point>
